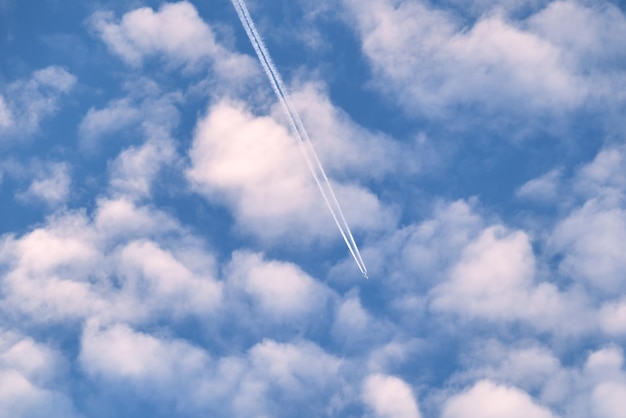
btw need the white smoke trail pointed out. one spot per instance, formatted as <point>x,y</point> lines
<point>312,160</point>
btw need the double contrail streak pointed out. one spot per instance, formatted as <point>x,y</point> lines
<point>306,146</point>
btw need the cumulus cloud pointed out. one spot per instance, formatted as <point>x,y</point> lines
<point>612,317</point>
<point>25,103</point>
<point>430,61</point>
<point>494,279</point>
<point>253,164</point>
<point>605,374</point>
<point>590,240</point>
<point>199,384</point>
<point>135,168</point>
<point>106,264</point>
<point>587,31</point>
<point>346,147</point>
<point>489,400</point>
<point>607,400</point>
<point>389,397</point>
<point>278,290</point>
<point>28,379</point>
<point>174,33</point>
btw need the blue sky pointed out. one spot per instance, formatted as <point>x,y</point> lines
<point>164,250</point>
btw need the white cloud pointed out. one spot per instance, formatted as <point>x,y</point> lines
<point>25,103</point>
<point>604,365</point>
<point>144,365</point>
<point>612,317</point>
<point>608,400</point>
<point>135,168</point>
<point>55,78</point>
<point>51,185</point>
<point>199,385</point>
<point>28,379</point>
<point>285,379</point>
<point>347,148</point>
<point>19,398</point>
<point>392,354</point>
<point>294,366</point>
<point>488,400</point>
<point>590,240</point>
<point>604,373</point>
<point>429,61</point>
<point>176,33</point>
<point>426,248</point>
<point>351,318</point>
<point>278,290</point>
<point>125,262</point>
<point>588,31</point>
<point>146,106</point>
<point>118,115</point>
<point>256,167</point>
<point>493,278</point>
<point>604,177</point>
<point>149,272</point>
<point>525,364</point>
<point>118,351</point>
<point>389,397</point>
<point>544,188</point>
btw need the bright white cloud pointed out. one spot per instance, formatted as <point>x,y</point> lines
<point>426,248</point>
<point>174,369</point>
<point>347,148</point>
<point>604,373</point>
<point>279,290</point>
<point>110,267</point>
<point>608,400</point>
<point>146,269</point>
<point>21,399</point>
<point>590,239</point>
<point>175,33</point>
<point>134,170</point>
<point>389,397</point>
<point>120,352</point>
<point>28,379</point>
<point>488,400</point>
<point>612,316</point>
<point>429,61</point>
<point>588,31</point>
<point>121,304</point>
<point>494,278</point>
<point>293,366</point>
<point>604,177</point>
<point>198,384</point>
<point>526,365</point>
<point>256,167</point>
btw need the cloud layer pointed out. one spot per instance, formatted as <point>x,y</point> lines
<point>164,250</point>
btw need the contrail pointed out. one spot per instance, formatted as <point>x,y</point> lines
<point>306,146</point>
